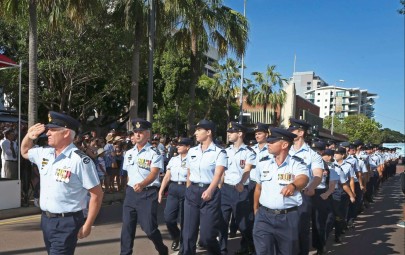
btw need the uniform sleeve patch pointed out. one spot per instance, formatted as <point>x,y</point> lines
<point>84,156</point>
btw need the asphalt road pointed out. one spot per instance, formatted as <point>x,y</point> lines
<point>375,231</point>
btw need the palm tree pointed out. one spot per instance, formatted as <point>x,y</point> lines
<point>268,90</point>
<point>200,22</point>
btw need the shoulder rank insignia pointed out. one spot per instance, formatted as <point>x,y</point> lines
<point>155,150</point>
<point>264,158</point>
<point>298,159</point>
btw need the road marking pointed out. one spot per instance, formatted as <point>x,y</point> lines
<point>6,222</point>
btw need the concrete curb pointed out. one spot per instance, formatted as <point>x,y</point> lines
<point>32,210</point>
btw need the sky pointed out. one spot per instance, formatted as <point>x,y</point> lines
<point>358,41</point>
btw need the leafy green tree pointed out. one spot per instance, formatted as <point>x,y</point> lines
<point>361,127</point>
<point>267,91</point>
<point>391,136</point>
<point>198,22</point>
<point>337,124</point>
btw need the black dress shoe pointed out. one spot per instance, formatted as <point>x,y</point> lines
<point>232,234</point>
<point>337,240</point>
<point>175,245</point>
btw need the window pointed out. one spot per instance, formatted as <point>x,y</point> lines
<point>309,83</point>
<point>326,100</point>
<point>308,88</point>
<point>340,93</point>
<point>326,107</point>
<point>318,100</point>
<point>319,94</point>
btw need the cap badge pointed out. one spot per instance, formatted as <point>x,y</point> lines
<point>230,125</point>
<point>269,132</point>
<point>138,125</point>
<point>49,118</point>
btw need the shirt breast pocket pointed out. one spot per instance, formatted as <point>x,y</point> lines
<point>265,176</point>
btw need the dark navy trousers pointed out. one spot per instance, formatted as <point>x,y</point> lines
<point>60,234</point>
<point>140,207</point>
<point>204,216</point>
<point>175,208</point>
<point>321,210</point>
<point>237,203</point>
<point>304,211</point>
<point>275,233</point>
<point>354,208</point>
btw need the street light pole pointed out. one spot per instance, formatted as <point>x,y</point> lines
<point>334,107</point>
<point>242,75</point>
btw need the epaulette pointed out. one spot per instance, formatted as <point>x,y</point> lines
<point>349,163</point>
<point>86,159</point>
<point>251,149</point>
<point>298,159</point>
<point>155,150</point>
<point>264,158</point>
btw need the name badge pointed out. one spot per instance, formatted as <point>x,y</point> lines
<point>286,178</point>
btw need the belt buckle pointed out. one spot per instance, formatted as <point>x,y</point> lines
<point>180,183</point>
<point>276,211</point>
<point>201,185</point>
<point>48,214</point>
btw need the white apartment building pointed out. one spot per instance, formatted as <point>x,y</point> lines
<point>342,101</point>
<point>306,81</point>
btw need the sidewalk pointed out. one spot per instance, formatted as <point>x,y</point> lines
<point>31,209</point>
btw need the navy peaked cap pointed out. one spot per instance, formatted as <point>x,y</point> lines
<point>141,124</point>
<point>344,144</point>
<point>298,124</point>
<point>318,145</point>
<point>235,127</point>
<point>328,152</point>
<point>57,120</point>
<point>340,150</point>
<point>206,124</point>
<point>261,127</point>
<point>185,141</point>
<point>276,134</point>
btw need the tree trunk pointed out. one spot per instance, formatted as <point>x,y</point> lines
<point>32,65</point>
<point>194,78</point>
<point>133,103</point>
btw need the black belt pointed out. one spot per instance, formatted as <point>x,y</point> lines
<point>150,188</point>
<point>232,186</point>
<point>280,211</point>
<point>201,185</point>
<point>61,215</point>
<point>11,160</point>
<point>178,183</point>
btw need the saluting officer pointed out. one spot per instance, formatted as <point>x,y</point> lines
<point>67,175</point>
<point>143,164</point>
<point>202,207</point>
<point>176,178</point>
<point>277,197</point>
<point>315,165</point>
<point>234,191</point>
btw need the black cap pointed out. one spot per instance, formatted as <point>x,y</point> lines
<point>185,141</point>
<point>57,120</point>
<point>280,134</point>
<point>235,127</point>
<point>340,150</point>
<point>206,124</point>
<point>328,152</point>
<point>261,127</point>
<point>358,143</point>
<point>344,144</point>
<point>352,146</point>
<point>141,124</point>
<point>318,145</point>
<point>330,142</point>
<point>298,124</point>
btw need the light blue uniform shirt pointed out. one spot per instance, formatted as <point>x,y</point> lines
<point>260,153</point>
<point>362,165</point>
<point>343,177</point>
<point>202,164</point>
<point>65,180</point>
<point>312,159</point>
<point>236,163</point>
<point>139,163</point>
<point>347,169</point>
<point>374,162</point>
<point>355,164</point>
<point>178,169</point>
<point>268,175</point>
<point>333,176</point>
